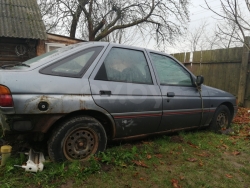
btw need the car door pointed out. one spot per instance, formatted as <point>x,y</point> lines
<point>182,102</point>
<point>123,84</point>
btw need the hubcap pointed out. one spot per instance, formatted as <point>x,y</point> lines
<point>222,120</point>
<point>80,144</point>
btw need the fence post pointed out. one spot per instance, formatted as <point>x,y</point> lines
<point>243,72</point>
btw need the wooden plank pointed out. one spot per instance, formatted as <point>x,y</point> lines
<point>197,56</point>
<point>207,56</point>
<point>196,68</point>
<point>213,75</point>
<point>40,47</point>
<point>247,95</point>
<point>233,80</point>
<point>235,54</point>
<point>224,72</point>
<point>243,72</point>
<point>187,59</point>
<point>53,38</point>
<point>228,81</point>
<point>180,57</point>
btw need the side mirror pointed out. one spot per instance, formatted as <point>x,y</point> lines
<point>199,80</point>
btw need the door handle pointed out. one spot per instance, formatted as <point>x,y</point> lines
<point>170,94</point>
<point>103,92</point>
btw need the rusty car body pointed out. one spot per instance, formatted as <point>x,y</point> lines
<point>82,95</point>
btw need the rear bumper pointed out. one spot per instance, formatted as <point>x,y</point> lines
<point>7,110</point>
<point>28,123</point>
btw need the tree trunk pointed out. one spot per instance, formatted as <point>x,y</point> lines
<point>73,27</point>
<point>75,20</point>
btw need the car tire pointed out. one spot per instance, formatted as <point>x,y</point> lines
<point>77,139</point>
<point>221,119</point>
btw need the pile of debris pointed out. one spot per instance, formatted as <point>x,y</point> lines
<point>242,116</point>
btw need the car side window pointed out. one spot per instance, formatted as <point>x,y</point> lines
<point>170,72</point>
<point>124,65</point>
<point>75,65</point>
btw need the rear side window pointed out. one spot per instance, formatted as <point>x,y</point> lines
<point>74,65</point>
<point>125,65</point>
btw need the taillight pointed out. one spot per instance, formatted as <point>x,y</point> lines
<point>5,97</point>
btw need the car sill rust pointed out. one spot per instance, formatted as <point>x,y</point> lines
<point>155,133</point>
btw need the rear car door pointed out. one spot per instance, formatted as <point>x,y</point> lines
<point>123,84</point>
<point>182,102</point>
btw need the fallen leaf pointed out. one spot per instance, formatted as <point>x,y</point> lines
<point>182,177</point>
<point>162,162</point>
<point>175,183</point>
<point>136,174</point>
<point>236,153</point>
<point>242,116</point>
<point>229,176</point>
<point>192,145</point>
<point>140,163</point>
<point>158,155</point>
<point>200,163</point>
<point>149,157</point>
<point>97,158</point>
<point>203,154</point>
<point>142,179</point>
<point>155,165</point>
<point>225,146</point>
<point>192,159</point>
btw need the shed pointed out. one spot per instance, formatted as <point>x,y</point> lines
<point>23,33</point>
<point>21,28</point>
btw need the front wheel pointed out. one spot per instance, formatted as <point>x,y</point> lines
<point>77,139</point>
<point>221,119</point>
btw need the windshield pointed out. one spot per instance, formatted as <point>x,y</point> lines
<point>50,54</point>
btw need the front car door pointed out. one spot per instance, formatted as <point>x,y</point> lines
<point>123,84</point>
<point>183,106</point>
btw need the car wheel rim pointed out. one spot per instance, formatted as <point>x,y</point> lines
<point>222,120</point>
<point>80,144</point>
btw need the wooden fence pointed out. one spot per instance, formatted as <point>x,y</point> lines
<point>226,69</point>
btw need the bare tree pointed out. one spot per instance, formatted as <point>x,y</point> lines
<point>96,19</point>
<point>236,24</point>
<point>212,40</point>
<point>196,37</point>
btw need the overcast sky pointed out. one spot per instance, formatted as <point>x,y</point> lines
<point>199,14</point>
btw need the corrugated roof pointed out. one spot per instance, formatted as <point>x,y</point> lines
<point>21,19</point>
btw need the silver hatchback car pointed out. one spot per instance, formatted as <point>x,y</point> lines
<point>83,95</point>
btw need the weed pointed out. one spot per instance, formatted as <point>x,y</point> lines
<point>189,159</point>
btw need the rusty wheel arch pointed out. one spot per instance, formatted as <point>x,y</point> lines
<point>102,118</point>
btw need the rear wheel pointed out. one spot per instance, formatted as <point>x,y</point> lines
<point>77,139</point>
<point>221,119</point>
